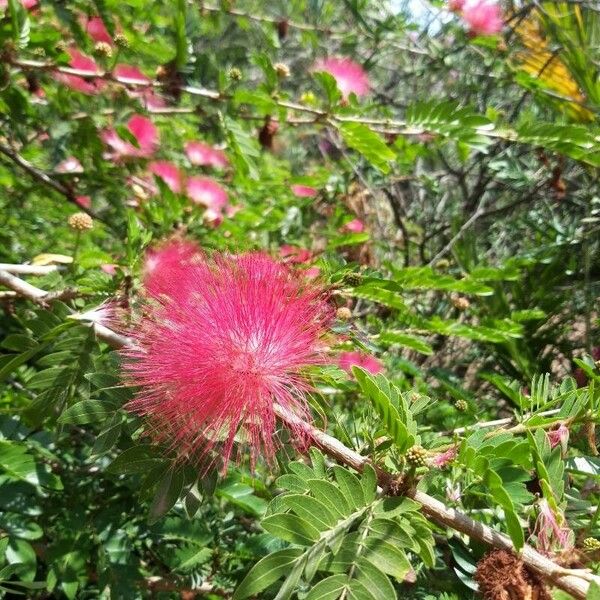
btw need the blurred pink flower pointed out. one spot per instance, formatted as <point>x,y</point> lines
<point>211,365</point>
<point>146,94</point>
<point>96,29</point>
<point>559,436</point>
<point>69,165</point>
<point>201,154</point>
<point>129,72</point>
<point>456,5</point>
<point>453,492</point>
<point>483,17</point>
<point>552,533</point>
<point>368,362</point>
<point>212,218</point>
<point>350,76</point>
<point>312,272</point>
<point>28,4</point>
<point>142,129</point>
<point>206,191</point>
<point>169,173</point>
<point>303,191</point>
<point>109,268</point>
<point>165,269</point>
<point>444,458</point>
<point>81,62</point>
<point>354,226</point>
<point>294,254</point>
<point>84,201</point>
<point>231,210</point>
<point>104,315</point>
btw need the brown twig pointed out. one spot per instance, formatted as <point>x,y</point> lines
<point>384,126</point>
<point>42,297</point>
<point>29,269</point>
<point>44,178</point>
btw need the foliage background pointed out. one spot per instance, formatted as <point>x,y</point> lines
<point>472,162</point>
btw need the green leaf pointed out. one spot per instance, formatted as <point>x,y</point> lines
<point>310,509</point>
<point>349,486</point>
<point>17,462</point>
<point>449,120</point>
<point>409,341</point>
<point>137,459</point>
<point>329,588</point>
<point>167,493</point>
<point>375,293</point>
<point>86,411</point>
<point>330,495</point>
<point>593,591</point>
<point>368,482</point>
<point>397,422</point>
<point>368,143</point>
<point>291,528</point>
<point>387,557</point>
<point>18,342</point>
<point>373,580</point>
<point>181,43</point>
<point>266,572</point>
<point>244,149</point>
<point>190,556</point>
<point>329,85</point>
<point>15,362</point>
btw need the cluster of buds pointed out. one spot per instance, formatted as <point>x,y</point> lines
<point>234,74</point>
<point>80,221</point>
<point>352,279</point>
<point>343,313</point>
<point>282,70</point>
<point>461,405</point>
<point>103,49</point>
<point>591,544</point>
<point>121,41</point>
<point>460,302</point>
<point>416,456</point>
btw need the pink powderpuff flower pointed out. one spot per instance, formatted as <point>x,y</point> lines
<point>211,366</point>
<point>145,94</point>
<point>311,272</point>
<point>559,436</point>
<point>444,458</point>
<point>81,62</point>
<point>104,315</point>
<point>166,268</point>
<point>169,173</point>
<point>206,191</point>
<point>303,191</point>
<point>350,76</point>
<point>369,363</point>
<point>294,254</point>
<point>84,201</point>
<point>96,29</point>
<point>483,17</point>
<point>453,492</point>
<point>142,129</point>
<point>69,165</point>
<point>456,5</point>
<point>27,4</point>
<point>130,72</point>
<point>354,226</point>
<point>109,269</point>
<point>552,533</point>
<point>200,154</point>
